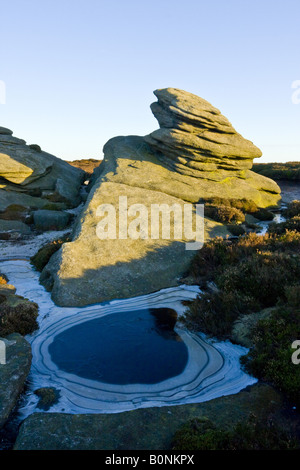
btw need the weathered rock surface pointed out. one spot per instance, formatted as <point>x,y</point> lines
<point>45,220</point>
<point>33,179</point>
<point>13,229</point>
<point>195,156</point>
<point>195,137</point>
<point>89,270</point>
<point>13,374</point>
<point>144,429</point>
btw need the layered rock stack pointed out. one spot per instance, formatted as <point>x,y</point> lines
<point>195,156</point>
<point>195,139</point>
<point>31,179</point>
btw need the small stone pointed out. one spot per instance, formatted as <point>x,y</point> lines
<point>48,396</point>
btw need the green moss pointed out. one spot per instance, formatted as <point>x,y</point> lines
<point>41,258</point>
<point>17,315</point>
<point>48,396</point>
<point>202,434</point>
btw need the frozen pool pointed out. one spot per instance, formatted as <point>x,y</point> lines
<point>124,354</point>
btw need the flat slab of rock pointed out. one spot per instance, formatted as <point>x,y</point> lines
<point>13,374</point>
<point>14,197</point>
<point>14,225</point>
<point>13,229</point>
<point>143,429</point>
<point>23,166</point>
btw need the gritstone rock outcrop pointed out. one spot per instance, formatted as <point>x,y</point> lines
<point>31,179</point>
<point>196,155</point>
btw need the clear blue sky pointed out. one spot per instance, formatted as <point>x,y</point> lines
<point>78,72</point>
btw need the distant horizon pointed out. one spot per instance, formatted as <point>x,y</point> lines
<point>256,160</point>
<point>75,74</point>
<point>101,157</point>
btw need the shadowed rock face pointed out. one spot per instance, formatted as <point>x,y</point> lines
<point>196,155</point>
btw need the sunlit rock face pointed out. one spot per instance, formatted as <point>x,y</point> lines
<point>195,137</point>
<point>196,155</point>
<point>31,178</point>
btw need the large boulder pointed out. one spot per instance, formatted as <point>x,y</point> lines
<point>89,270</point>
<point>147,428</point>
<point>195,137</point>
<point>195,156</point>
